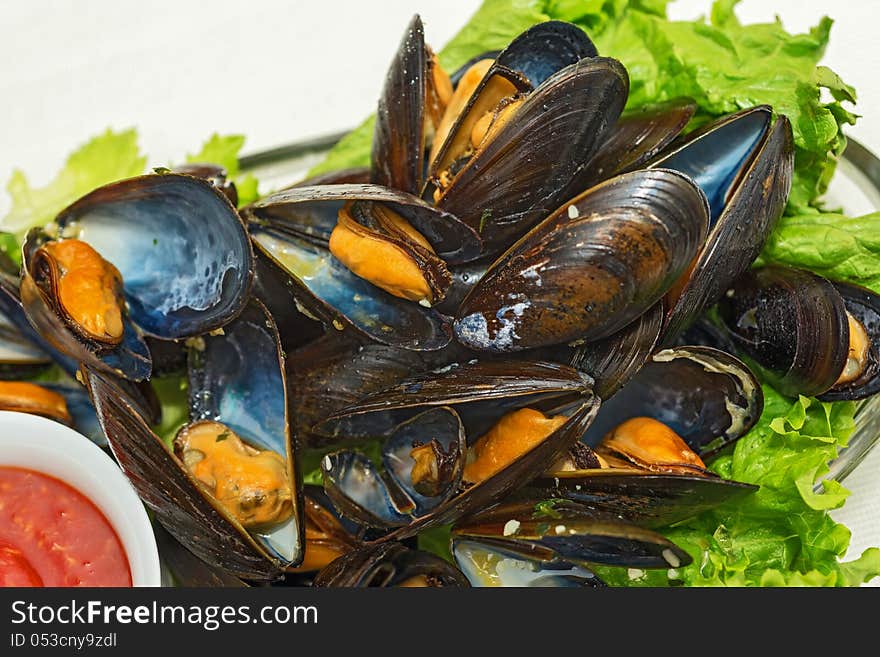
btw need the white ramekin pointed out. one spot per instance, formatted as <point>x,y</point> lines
<point>36,443</point>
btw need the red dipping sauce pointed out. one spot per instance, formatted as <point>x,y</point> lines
<point>53,535</point>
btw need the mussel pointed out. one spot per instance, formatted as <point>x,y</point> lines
<point>706,396</point>
<point>465,436</point>
<point>809,335</point>
<point>743,162</point>
<point>591,268</point>
<point>546,536</point>
<point>229,491</point>
<point>164,255</point>
<point>641,471</point>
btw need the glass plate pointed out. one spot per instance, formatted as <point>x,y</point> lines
<point>855,188</point>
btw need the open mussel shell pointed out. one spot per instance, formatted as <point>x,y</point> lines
<point>744,165</point>
<point>228,364</point>
<point>130,358</point>
<point>390,565</point>
<point>592,267</point>
<point>708,397</point>
<point>515,179</point>
<point>183,252</point>
<point>481,393</point>
<point>637,137</point>
<point>572,533</point>
<point>793,324</point>
<point>546,48</point>
<point>238,378</point>
<point>291,211</point>
<point>645,498</point>
<point>527,62</point>
<point>387,497</point>
<point>488,564</point>
<point>327,291</point>
<point>278,292</point>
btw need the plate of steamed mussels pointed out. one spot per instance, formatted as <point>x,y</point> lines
<point>501,328</point>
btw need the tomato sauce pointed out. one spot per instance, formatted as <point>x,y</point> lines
<point>52,535</point>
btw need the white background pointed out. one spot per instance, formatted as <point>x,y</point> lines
<point>279,71</point>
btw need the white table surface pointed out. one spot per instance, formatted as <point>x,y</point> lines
<point>279,71</point>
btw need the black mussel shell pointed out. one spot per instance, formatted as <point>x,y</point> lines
<point>327,291</point>
<point>237,377</point>
<point>570,532</point>
<point>518,177</point>
<point>186,569</point>
<point>175,498</point>
<point>389,565</point>
<point>592,267</point>
<point>744,165</point>
<point>637,138</point>
<point>864,306</point>
<point>182,250</point>
<point>482,392</point>
<point>793,324</point>
<point>614,360</point>
<point>489,564</point>
<point>388,497</point>
<point>645,498</point>
<point>296,210</point>
<point>397,158</point>
<point>130,358</point>
<point>706,396</point>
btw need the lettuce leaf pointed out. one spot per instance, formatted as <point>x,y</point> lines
<point>832,245</point>
<point>781,535</point>
<point>723,65</point>
<point>103,159</point>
